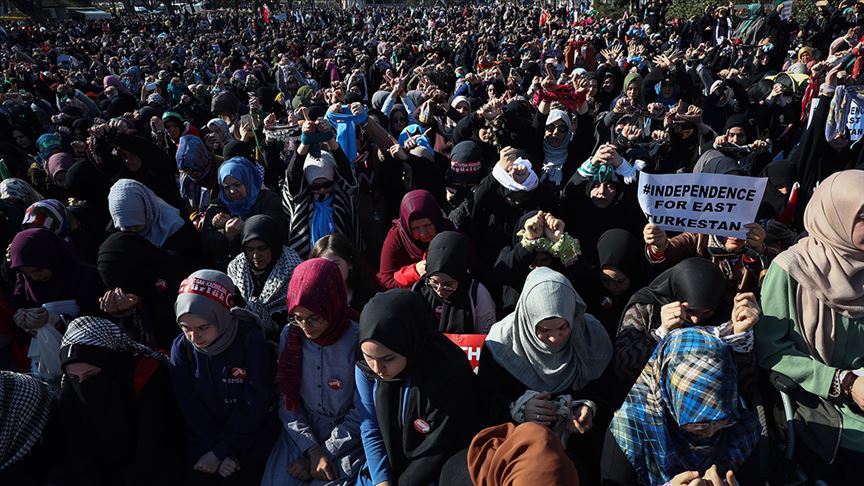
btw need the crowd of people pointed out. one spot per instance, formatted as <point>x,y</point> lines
<point>242,248</point>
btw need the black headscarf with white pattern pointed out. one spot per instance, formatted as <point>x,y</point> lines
<point>95,331</point>
<point>25,407</point>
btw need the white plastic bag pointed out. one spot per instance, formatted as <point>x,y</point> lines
<point>44,353</point>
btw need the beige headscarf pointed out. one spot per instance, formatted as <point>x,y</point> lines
<point>827,265</point>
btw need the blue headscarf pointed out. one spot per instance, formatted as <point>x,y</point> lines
<point>690,378</point>
<point>346,131</point>
<point>412,130</point>
<point>192,156</point>
<point>244,171</point>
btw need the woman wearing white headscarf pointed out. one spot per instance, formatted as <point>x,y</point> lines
<point>812,328</point>
<point>537,361</point>
<point>556,144</point>
<point>136,208</point>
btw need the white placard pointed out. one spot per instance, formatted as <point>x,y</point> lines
<point>714,204</point>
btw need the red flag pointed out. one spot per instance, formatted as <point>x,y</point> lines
<point>266,14</point>
<point>544,16</point>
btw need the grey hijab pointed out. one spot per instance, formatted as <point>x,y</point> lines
<point>514,344</point>
<point>209,294</point>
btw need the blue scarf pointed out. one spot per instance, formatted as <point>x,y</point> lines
<point>321,223</point>
<point>690,378</point>
<point>346,129</point>
<point>241,169</point>
<point>412,130</point>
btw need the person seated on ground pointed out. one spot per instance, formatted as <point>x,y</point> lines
<point>242,195</point>
<point>458,303</point>
<point>538,241</point>
<point>515,455</point>
<point>320,440</point>
<point>741,261</point>
<point>687,295</point>
<point>51,284</point>
<point>142,282</point>
<point>319,194</point>
<point>682,420</point>
<point>30,427</point>
<point>403,257</point>
<point>619,272</point>
<point>197,177</point>
<point>416,392</point>
<point>135,208</point>
<point>262,272</point>
<point>118,410</point>
<point>360,284</point>
<point>538,362</point>
<point>222,371</point>
<point>813,304</point>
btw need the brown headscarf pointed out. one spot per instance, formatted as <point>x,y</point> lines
<point>827,265</point>
<point>527,455</point>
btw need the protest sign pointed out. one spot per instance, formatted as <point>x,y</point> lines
<point>715,204</point>
<point>471,344</point>
<point>855,120</point>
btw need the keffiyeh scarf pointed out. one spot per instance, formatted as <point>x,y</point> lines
<point>25,406</point>
<point>271,300</point>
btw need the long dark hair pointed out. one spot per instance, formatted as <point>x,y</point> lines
<point>359,276</point>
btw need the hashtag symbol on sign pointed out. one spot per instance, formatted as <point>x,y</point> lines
<point>646,189</point>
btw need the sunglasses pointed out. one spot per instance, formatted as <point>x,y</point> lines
<point>322,186</point>
<point>556,128</point>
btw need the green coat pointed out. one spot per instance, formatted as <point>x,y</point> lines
<point>781,347</point>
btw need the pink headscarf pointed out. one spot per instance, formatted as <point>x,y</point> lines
<point>827,265</point>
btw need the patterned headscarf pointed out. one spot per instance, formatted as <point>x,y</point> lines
<point>50,214</point>
<point>690,379</point>
<point>134,204</point>
<point>25,406</point>
<point>95,331</point>
<point>18,189</point>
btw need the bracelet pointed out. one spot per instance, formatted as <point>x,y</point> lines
<point>836,390</point>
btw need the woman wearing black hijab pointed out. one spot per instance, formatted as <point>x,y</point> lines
<point>262,272</point>
<point>416,392</point>
<point>689,294</point>
<point>121,423</point>
<point>143,282</point>
<point>459,304</point>
<point>619,272</point>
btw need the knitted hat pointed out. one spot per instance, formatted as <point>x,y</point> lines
<point>465,164</point>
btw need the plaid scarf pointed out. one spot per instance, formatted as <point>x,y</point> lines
<point>690,379</point>
<point>25,406</point>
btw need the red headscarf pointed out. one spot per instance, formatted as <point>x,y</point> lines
<point>317,285</point>
<point>415,205</point>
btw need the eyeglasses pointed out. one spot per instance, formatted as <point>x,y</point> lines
<point>322,186</point>
<point>311,321</point>
<point>449,287</point>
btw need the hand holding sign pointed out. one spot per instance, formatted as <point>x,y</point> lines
<point>714,204</point>
<point>655,237</point>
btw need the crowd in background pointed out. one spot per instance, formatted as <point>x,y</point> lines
<point>241,248</point>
